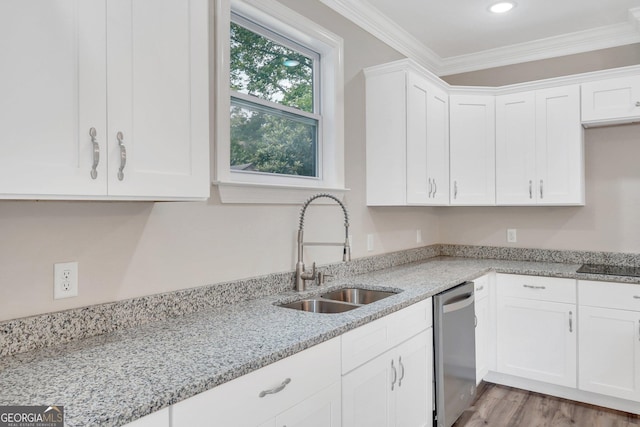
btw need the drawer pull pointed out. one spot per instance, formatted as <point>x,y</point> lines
<point>395,375</point>
<point>479,288</point>
<point>401,371</point>
<point>534,287</point>
<point>636,297</point>
<point>276,389</point>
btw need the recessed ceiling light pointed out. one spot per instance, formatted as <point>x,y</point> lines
<point>502,7</point>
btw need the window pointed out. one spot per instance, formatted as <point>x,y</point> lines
<point>279,104</point>
<point>274,111</point>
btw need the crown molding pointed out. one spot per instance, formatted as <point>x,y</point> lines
<point>552,47</point>
<point>372,20</point>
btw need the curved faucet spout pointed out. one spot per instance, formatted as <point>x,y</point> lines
<point>301,274</point>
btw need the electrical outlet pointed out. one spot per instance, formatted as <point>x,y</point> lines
<point>418,236</point>
<point>512,236</point>
<point>369,242</point>
<point>65,280</point>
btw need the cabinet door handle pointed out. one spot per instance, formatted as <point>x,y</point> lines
<point>96,152</point>
<point>570,321</point>
<point>275,390</point>
<point>534,287</point>
<point>636,297</point>
<point>475,321</point>
<point>430,187</point>
<point>123,155</point>
<point>530,189</point>
<point>401,371</point>
<point>638,104</point>
<point>395,375</point>
<point>479,288</point>
<point>435,187</point>
<point>455,189</point>
<point>542,189</point>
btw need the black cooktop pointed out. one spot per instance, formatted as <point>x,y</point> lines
<point>612,270</point>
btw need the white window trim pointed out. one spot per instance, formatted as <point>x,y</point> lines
<point>235,187</point>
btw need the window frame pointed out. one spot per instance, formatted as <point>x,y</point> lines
<point>257,187</point>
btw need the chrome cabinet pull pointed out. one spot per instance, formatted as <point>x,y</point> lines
<point>530,189</point>
<point>435,187</point>
<point>123,155</point>
<point>401,371</point>
<point>455,189</point>
<point>479,288</point>
<point>395,375</point>
<point>475,321</point>
<point>570,321</point>
<point>96,152</point>
<point>636,297</point>
<point>534,287</point>
<point>542,189</point>
<point>430,187</point>
<point>638,104</point>
<point>276,389</point>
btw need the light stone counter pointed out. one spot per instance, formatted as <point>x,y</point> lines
<point>115,378</point>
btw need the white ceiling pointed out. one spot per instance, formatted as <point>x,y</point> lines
<point>452,36</point>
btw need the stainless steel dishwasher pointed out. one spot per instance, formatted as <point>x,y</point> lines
<point>455,354</point>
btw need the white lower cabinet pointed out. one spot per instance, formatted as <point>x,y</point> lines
<point>485,326</point>
<point>301,390</point>
<point>536,332</point>
<point>609,339</point>
<point>388,370</point>
<point>394,389</point>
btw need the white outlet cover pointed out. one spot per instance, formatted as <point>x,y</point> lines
<point>512,236</point>
<point>65,280</point>
<point>369,242</point>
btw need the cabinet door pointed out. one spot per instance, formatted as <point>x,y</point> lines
<point>472,149</point>
<point>158,98</point>
<point>366,393</point>
<point>438,147</point>
<point>52,82</point>
<point>418,191</point>
<point>482,338</point>
<point>414,394</point>
<point>516,149</point>
<point>537,340</point>
<point>559,146</point>
<point>320,410</point>
<point>610,352</point>
<point>612,100</point>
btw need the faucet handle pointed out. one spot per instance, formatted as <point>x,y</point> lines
<point>321,276</point>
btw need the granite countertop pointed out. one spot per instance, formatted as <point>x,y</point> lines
<point>116,378</point>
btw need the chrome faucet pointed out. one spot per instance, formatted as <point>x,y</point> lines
<point>301,274</point>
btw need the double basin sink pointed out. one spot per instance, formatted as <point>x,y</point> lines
<point>339,301</point>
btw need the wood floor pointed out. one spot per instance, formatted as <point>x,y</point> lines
<point>499,406</point>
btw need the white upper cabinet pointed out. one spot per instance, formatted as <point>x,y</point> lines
<point>472,149</point>
<point>52,81</point>
<point>559,146</point>
<point>407,137</point>
<point>135,68</point>
<point>539,148</point>
<point>516,149</point>
<point>611,101</point>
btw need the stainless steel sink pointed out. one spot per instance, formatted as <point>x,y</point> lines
<point>357,295</point>
<point>317,305</point>
<point>339,301</point>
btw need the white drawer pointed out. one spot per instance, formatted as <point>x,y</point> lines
<point>368,341</point>
<point>623,296</point>
<point>537,288</point>
<point>309,371</point>
<point>481,286</point>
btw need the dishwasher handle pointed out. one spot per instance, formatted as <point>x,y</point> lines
<point>458,304</point>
